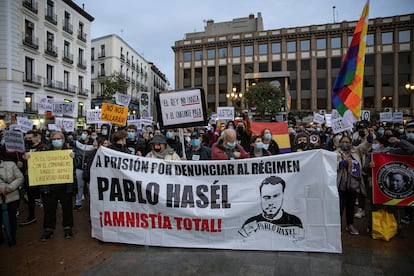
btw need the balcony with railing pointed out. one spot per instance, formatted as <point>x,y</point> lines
<point>31,108</point>
<point>51,17</point>
<point>83,92</point>
<point>128,78</point>
<point>69,88</point>
<point>67,27</point>
<point>101,73</point>
<point>128,61</point>
<point>33,79</point>
<point>54,84</point>
<point>123,57</point>
<point>31,41</point>
<point>82,36</point>
<point>101,54</point>
<point>67,57</point>
<point>31,5</point>
<point>51,50</point>
<point>82,64</point>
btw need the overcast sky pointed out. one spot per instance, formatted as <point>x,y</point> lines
<point>152,27</point>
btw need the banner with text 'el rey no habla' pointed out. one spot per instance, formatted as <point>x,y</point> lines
<point>285,202</point>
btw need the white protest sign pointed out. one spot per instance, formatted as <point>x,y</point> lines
<point>136,123</point>
<point>45,104</point>
<point>25,124</point>
<point>386,117</point>
<point>318,118</point>
<point>217,204</point>
<point>365,115</point>
<point>146,121</point>
<point>66,123</point>
<point>63,109</point>
<point>225,113</point>
<point>182,108</point>
<point>93,116</point>
<point>122,99</point>
<point>328,120</point>
<point>397,117</point>
<point>144,104</point>
<point>14,141</point>
<point>338,123</point>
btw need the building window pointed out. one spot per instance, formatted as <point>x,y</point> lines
<point>321,63</point>
<point>92,69</point>
<point>263,49</point>
<point>102,89</point>
<point>386,38</point>
<point>187,56</point>
<point>276,48</point>
<point>248,50</point>
<point>370,40</point>
<point>29,69</point>
<point>291,65</point>
<point>49,74</point>
<point>92,88</point>
<point>336,62</point>
<point>404,36</point>
<point>305,45</point>
<point>291,46</point>
<point>305,83</point>
<point>92,53</point>
<point>222,52</point>
<point>248,68</point>
<point>198,55</point>
<point>211,54</point>
<point>321,44</point>
<point>66,49</point>
<point>276,66</point>
<point>369,60</point>
<point>66,80</point>
<point>80,57</point>
<point>102,53</point>
<point>321,83</point>
<point>263,67</point>
<point>305,64</point>
<point>198,76</point>
<point>236,51</point>
<point>335,42</point>
<point>80,85</point>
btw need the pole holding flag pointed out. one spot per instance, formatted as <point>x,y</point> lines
<point>347,89</point>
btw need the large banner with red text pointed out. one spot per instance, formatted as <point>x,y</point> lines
<point>285,202</point>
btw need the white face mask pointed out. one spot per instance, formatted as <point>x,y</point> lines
<point>375,147</point>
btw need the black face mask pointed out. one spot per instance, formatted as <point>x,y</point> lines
<point>29,143</point>
<point>240,129</point>
<point>361,133</point>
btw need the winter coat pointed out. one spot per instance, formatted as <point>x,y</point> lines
<point>11,177</point>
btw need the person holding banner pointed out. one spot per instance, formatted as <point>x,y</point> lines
<point>349,178</point>
<point>11,178</point>
<point>161,149</point>
<point>54,194</point>
<point>226,148</point>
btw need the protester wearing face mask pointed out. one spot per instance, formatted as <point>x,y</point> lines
<point>197,151</point>
<point>226,148</point>
<point>244,131</point>
<point>119,141</point>
<point>105,131</point>
<point>301,142</point>
<point>349,178</point>
<point>257,147</point>
<point>161,150</point>
<point>268,142</point>
<point>174,142</point>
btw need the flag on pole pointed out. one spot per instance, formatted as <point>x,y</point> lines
<point>347,90</point>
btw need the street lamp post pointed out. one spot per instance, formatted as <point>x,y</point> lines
<point>409,87</point>
<point>235,97</point>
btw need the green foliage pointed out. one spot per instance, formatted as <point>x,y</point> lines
<point>265,97</point>
<point>114,83</point>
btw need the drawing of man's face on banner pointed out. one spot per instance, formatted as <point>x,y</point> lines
<point>144,104</point>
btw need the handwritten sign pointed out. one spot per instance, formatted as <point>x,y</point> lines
<point>318,118</point>
<point>14,141</point>
<point>386,117</point>
<point>397,117</point>
<point>93,116</point>
<point>225,113</point>
<point>45,104</point>
<point>50,167</point>
<point>338,123</point>
<point>115,114</point>
<point>25,124</point>
<point>122,99</point>
<point>66,123</point>
<point>182,108</point>
<point>65,108</point>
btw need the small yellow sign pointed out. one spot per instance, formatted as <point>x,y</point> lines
<point>50,167</point>
<point>115,114</point>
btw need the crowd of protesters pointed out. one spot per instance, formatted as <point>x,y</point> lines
<point>230,140</point>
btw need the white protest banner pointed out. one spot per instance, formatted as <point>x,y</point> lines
<point>146,121</point>
<point>136,123</point>
<point>53,127</point>
<point>328,120</point>
<point>217,204</point>
<point>63,109</point>
<point>386,117</point>
<point>182,108</point>
<point>66,123</point>
<point>14,141</point>
<point>225,113</point>
<point>93,116</point>
<point>365,115</point>
<point>144,104</point>
<point>45,104</point>
<point>25,124</point>
<point>318,118</point>
<point>397,117</point>
<point>338,123</point>
<point>122,99</point>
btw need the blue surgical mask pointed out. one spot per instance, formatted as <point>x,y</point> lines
<point>104,132</point>
<point>410,136</point>
<point>131,135</point>
<point>169,135</point>
<point>259,145</point>
<point>380,131</point>
<point>57,143</point>
<point>84,136</point>
<point>231,145</point>
<point>195,142</point>
<point>268,136</point>
<point>94,137</point>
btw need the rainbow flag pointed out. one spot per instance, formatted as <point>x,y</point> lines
<point>279,131</point>
<point>347,90</point>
